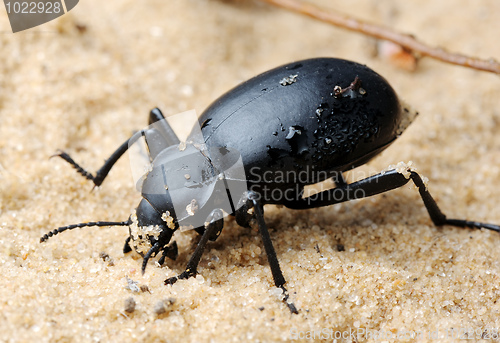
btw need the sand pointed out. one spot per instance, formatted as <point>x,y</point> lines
<point>84,82</point>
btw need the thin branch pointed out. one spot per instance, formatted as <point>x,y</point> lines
<point>406,41</point>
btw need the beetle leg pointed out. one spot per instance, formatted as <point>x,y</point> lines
<point>250,200</point>
<point>159,135</point>
<point>126,246</point>
<point>171,251</point>
<point>151,252</point>
<point>215,224</point>
<point>168,138</point>
<point>243,217</point>
<point>339,180</point>
<point>103,171</point>
<point>381,183</point>
<point>155,116</point>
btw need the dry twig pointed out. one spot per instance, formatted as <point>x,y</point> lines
<point>380,32</point>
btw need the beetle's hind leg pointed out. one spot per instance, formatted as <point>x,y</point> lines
<point>381,183</point>
<point>339,180</point>
<point>438,217</point>
<point>212,231</point>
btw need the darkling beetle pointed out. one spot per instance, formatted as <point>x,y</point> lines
<point>317,117</point>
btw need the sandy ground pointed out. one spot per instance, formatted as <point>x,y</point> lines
<point>84,82</point>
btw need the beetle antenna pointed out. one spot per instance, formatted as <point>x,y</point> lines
<point>154,249</point>
<point>74,226</point>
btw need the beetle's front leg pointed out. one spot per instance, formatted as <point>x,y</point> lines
<point>250,200</point>
<point>213,229</point>
<point>171,251</point>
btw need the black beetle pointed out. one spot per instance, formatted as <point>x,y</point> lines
<point>292,126</point>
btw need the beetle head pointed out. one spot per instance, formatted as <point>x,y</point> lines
<point>150,232</point>
<point>183,185</point>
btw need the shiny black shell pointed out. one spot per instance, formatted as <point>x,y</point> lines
<point>304,117</point>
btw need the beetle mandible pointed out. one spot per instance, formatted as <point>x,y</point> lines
<point>320,117</point>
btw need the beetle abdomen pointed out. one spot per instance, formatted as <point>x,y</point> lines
<point>320,114</point>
